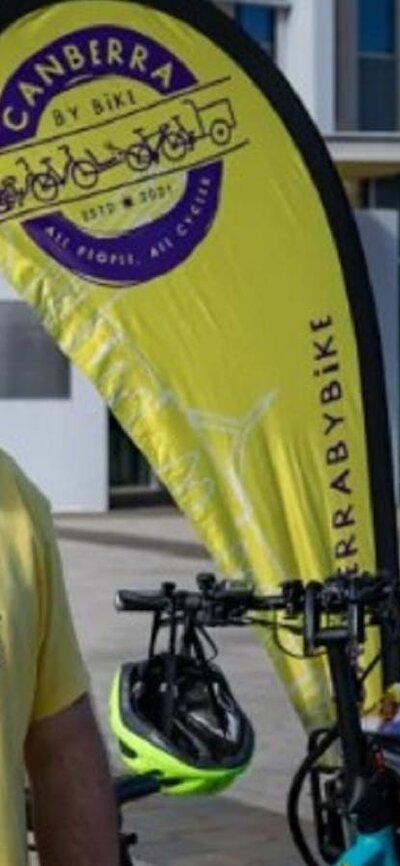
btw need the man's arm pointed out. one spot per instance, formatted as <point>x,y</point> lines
<point>74,811</point>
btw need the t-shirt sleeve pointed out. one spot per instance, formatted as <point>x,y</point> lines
<point>61,674</point>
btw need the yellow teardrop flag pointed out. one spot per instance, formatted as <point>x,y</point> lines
<point>170,211</point>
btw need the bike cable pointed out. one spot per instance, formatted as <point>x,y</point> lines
<point>295,791</point>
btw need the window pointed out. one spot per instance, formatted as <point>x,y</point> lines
<point>367,65</point>
<point>377,65</point>
<point>385,193</point>
<point>258,22</point>
<point>227,8</point>
<point>377,94</point>
<point>376,20</point>
<point>31,365</point>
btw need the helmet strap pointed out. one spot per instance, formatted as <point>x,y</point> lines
<point>192,644</point>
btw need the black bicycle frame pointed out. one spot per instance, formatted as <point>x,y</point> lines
<point>354,746</point>
<point>370,794</point>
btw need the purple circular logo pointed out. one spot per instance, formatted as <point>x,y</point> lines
<point>111,154</point>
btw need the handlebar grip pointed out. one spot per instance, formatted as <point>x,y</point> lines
<point>127,600</point>
<point>129,788</point>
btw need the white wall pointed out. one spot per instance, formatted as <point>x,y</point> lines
<point>305,38</point>
<point>61,444</point>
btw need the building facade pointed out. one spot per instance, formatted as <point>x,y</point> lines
<point>343,59</point>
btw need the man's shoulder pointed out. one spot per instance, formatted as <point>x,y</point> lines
<point>18,487</point>
<point>14,472</point>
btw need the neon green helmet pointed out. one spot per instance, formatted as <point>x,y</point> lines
<point>187,729</point>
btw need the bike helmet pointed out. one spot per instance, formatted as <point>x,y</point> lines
<point>177,717</point>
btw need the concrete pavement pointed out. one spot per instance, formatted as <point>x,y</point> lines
<point>138,549</point>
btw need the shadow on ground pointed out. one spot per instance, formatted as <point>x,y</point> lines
<point>187,832</point>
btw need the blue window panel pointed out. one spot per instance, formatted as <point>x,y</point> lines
<point>257,21</point>
<point>387,193</point>
<point>376,26</point>
<point>377,93</point>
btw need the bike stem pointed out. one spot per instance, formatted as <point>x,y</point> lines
<point>354,747</point>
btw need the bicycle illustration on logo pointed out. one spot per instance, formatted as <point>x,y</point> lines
<point>169,143</point>
<point>150,148</point>
<point>44,185</point>
<point>215,120</point>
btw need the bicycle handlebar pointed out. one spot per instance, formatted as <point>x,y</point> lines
<point>128,788</point>
<point>127,600</point>
<point>216,601</point>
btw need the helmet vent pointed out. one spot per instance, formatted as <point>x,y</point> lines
<point>130,753</point>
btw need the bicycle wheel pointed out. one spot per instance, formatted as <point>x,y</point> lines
<point>84,173</point>
<point>6,204</point>
<point>174,147</point>
<point>44,187</point>
<point>139,157</point>
<point>220,132</point>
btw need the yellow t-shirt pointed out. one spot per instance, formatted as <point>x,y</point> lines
<point>41,670</point>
